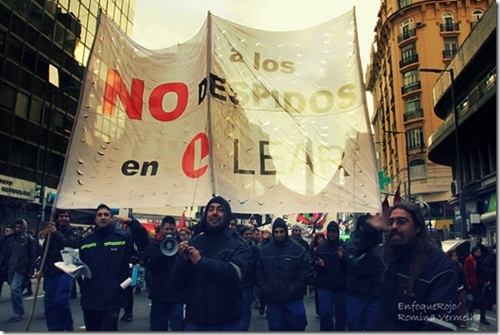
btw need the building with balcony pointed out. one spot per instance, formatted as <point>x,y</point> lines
<point>467,88</point>
<point>38,37</point>
<point>411,35</point>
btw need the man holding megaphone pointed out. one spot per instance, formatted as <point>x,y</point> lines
<point>167,301</point>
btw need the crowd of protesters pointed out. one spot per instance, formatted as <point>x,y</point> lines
<point>390,275</point>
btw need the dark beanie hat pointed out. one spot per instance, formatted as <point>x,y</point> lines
<point>228,214</point>
<point>279,222</point>
<point>333,226</point>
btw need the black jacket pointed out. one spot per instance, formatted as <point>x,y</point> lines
<point>283,272</point>
<point>64,237</point>
<point>250,278</point>
<point>20,252</point>
<point>213,291</point>
<point>433,304</point>
<point>333,275</point>
<point>160,266</point>
<point>365,265</point>
<point>107,253</point>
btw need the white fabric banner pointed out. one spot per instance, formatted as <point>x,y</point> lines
<point>275,122</point>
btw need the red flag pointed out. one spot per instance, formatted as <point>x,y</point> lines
<point>385,206</point>
<point>397,196</point>
<point>182,221</point>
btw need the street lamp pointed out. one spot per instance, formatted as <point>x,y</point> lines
<point>407,159</point>
<point>459,166</point>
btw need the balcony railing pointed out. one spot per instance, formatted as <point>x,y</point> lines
<point>414,114</point>
<point>449,27</point>
<point>411,87</point>
<point>407,34</point>
<point>449,53</point>
<point>408,60</point>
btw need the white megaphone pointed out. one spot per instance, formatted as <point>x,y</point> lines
<point>169,246</point>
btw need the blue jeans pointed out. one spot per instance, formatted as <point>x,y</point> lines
<point>363,313</point>
<point>57,302</point>
<point>246,308</point>
<point>16,280</point>
<point>332,303</point>
<point>289,316</point>
<point>232,326</point>
<point>164,313</point>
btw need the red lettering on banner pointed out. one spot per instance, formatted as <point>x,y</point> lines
<point>131,102</point>
<point>189,159</point>
<point>156,98</point>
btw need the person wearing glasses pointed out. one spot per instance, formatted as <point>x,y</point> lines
<point>419,284</point>
<point>107,252</point>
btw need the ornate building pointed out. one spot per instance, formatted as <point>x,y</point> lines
<point>412,35</point>
<point>467,89</point>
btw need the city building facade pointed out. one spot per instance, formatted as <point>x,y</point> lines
<point>411,35</point>
<point>467,89</point>
<point>44,47</point>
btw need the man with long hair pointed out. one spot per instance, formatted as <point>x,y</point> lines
<point>419,283</point>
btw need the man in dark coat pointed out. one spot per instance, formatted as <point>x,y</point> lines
<point>210,267</point>
<point>167,300</point>
<point>20,260</point>
<point>283,272</point>
<point>250,279</point>
<point>57,284</point>
<point>419,282</point>
<point>107,252</point>
<point>365,266</point>
<point>331,279</point>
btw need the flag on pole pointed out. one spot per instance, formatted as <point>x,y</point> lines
<point>385,206</point>
<point>182,221</point>
<point>397,195</point>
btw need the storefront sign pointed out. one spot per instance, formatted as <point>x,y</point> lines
<point>17,188</point>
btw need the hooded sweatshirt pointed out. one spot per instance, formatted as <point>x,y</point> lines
<point>23,253</point>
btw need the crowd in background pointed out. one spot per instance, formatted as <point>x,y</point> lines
<point>275,269</point>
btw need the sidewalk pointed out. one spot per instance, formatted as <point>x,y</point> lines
<point>475,326</point>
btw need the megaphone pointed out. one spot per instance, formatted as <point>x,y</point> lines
<point>169,246</point>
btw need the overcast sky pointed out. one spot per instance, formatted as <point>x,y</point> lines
<point>162,23</point>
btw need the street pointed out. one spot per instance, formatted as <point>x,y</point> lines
<point>140,322</point>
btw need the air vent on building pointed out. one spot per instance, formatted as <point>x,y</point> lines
<point>419,24</point>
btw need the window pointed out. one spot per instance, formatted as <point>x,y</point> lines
<point>403,3</point>
<point>415,138</point>
<point>406,27</point>
<point>412,104</point>
<point>22,105</point>
<point>476,15</point>
<point>7,96</point>
<point>450,47</point>
<point>410,77</point>
<point>408,54</point>
<point>448,21</point>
